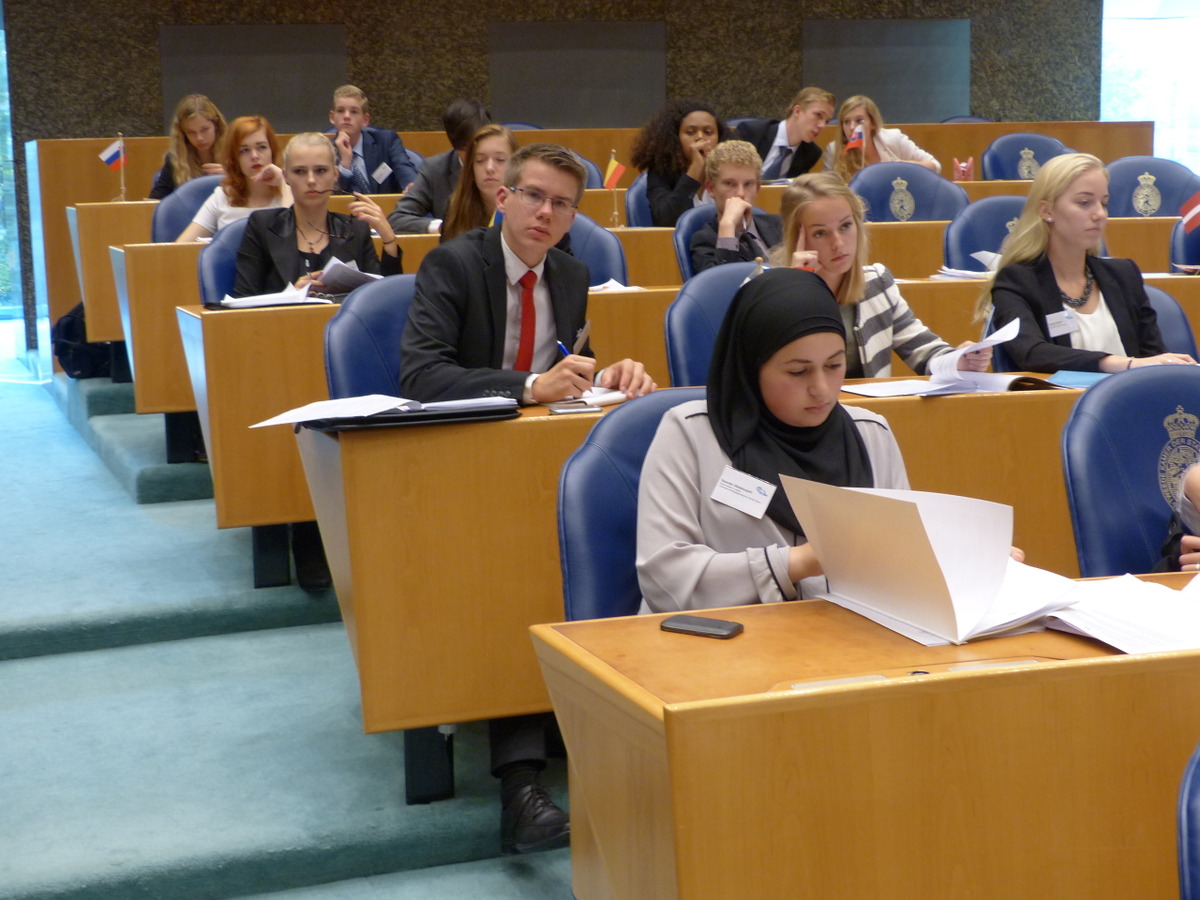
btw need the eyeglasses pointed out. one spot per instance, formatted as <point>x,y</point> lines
<point>533,198</point>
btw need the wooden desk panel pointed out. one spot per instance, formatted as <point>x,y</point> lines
<point>650,255</point>
<point>97,226</point>
<point>157,278</point>
<point>1147,241</point>
<point>598,204</point>
<point>414,248</point>
<point>443,556</point>
<point>630,324</point>
<point>861,791</point>
<point>908,249</point>
<point>247,365</point>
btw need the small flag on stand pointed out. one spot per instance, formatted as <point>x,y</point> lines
<point>856,140</point>
<point>614,172</point>
<point>114,154</point>
<point>1190,211</point>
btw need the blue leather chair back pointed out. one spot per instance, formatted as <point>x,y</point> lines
<point>595,178</point>
<point>694,318</point>
<point>1172,322</point>
<point>1114,443</point>
<point>597,496</point>
<point>600,249</point>
<point>1189,830</point>
<point>1185,248</point>
<point>176,210</point>
<point>1005,157</point>
<point>689,223</point>
<point>982,225</point>
<point>218,263</point>
<point>950,119</point>
<point>1171,186</point>
<point>637,204</point>
<point>416,159</point>
<point>362,342</point>
<point>930,197</point>
<point>521,126</point>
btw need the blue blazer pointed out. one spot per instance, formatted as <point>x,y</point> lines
<point>382,146</point>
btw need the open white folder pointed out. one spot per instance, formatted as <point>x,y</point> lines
<point>933,567</point>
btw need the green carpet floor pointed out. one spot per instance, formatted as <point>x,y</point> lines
<point>139,759</point>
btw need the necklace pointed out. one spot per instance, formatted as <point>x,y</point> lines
<point>1076,302</point>
<point>312,244</point>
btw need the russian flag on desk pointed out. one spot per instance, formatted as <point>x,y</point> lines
<point>1190,211</point>
<point>114,154</point>
<point>856,140</point>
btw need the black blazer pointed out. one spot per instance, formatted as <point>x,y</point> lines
<point>429,197</point>
<point>704,250</point>
<point>453,344</point>
<point>761,133</point>
<point>1028,292</point>
<point>380,145</point>
<point>268,259</point>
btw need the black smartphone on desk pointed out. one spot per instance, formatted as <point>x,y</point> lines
<point>701,626</point>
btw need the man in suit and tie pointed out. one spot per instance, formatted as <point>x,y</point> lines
<point>736,233</point>
<point>788,146</point>
<point>487,312</point>
<point>423,206</point>
<point>370,160</point>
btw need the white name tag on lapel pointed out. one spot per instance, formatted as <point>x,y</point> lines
<point>743,492</point>
<point>382,171</point>
<point>1061,323</point>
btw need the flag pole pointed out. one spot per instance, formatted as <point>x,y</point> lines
<point>121,138</point>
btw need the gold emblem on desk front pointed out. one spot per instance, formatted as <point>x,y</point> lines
<point>1146,196</point>
<point>1180,451</point>
<point>902,203</point>
<point>1028,167</point>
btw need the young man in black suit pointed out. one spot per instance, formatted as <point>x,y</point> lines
<point>423,206</point>
<point>489,307</point>
<point>468,334</point>
<point>788,146</point>
<point>370,160</point>
<point>736,233</point>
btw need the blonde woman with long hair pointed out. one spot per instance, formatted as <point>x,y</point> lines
<point>824,231</point>
<point>196,132</point>
<point>1077,311</point>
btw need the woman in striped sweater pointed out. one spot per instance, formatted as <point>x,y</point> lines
<point>823,230</point>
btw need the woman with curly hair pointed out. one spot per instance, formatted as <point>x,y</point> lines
<point>671,149</point>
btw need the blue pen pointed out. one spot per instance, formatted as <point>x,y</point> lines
<point>562,348</point>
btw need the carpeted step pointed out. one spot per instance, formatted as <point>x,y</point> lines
<point>544,876</point>
<point>132,446</point>
<point>216,767</point>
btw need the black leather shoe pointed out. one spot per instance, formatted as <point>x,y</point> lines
<point>530,822</point>
<point>308,553</point>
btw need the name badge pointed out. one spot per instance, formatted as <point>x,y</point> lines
<point>743,492</point>
<point>382,171</point>
<point>1061,323</point>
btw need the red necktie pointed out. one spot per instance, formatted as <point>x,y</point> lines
<point>528,322</point>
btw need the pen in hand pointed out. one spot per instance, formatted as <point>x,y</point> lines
<point>562,348</point>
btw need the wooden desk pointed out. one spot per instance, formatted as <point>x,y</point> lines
<point>151,280</point>
<point>247,365</point>
<point>908,249</point>
<point>692,778</point>
<point>93,227</point>
<point>370,487</point>
<point>64,173</point>
<point>630,324</point>
<point>597,204</point>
